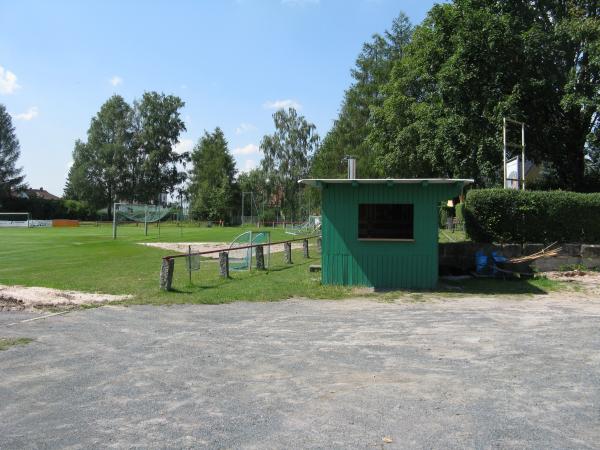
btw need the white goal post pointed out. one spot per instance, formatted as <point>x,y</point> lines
<point>15,219</point>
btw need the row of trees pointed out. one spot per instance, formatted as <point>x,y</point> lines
<point>129,152</point>
<point>215,192</point>
<point>129,156</point>
<point>426,101</point>
<point>429,100</point>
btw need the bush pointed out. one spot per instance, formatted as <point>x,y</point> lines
<point>459,210</point>
<point>43,209</point>
<point>445,213</point>
<point>507,215</point>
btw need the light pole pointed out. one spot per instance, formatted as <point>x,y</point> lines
<point>265,194</point>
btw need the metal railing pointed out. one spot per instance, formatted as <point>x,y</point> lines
<point>168,262</point>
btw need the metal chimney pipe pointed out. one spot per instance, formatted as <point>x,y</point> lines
<point>351,168</point>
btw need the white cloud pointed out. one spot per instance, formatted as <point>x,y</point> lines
<point>184,145</point>
<point>244,128</point>
<point>8,81</point>
<point>249,149</point>
<point>282,104</point>
<point>116,80</point>
<point>30,114</point>
<point>249,164</point>
<point>300,2</point>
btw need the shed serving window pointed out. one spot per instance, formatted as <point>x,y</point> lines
<point>385,221</point>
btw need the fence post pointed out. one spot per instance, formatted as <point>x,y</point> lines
<point>224,264</point>
<point>319,244</point>
<point>260,258</point>
<point>287,248</point>
<point>166,273</point>
<point>305,248</point>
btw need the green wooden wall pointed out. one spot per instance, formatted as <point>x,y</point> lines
<point>381,264</point>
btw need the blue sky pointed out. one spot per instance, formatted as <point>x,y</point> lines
<point>232,61</point>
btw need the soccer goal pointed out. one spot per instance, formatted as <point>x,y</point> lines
<point>312,225</point>
<point>241,259</point>
<point>15,219</point>
<point>137,213</point>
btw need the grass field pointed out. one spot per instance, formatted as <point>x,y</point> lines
<point>88,259</point>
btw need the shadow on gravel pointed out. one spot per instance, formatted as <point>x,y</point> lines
<point>489,286</point>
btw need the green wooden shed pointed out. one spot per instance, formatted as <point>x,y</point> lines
<point>382,232</point>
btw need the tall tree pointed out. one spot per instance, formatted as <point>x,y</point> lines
<point>472,62</point>
<point>129,152</point>
<point>287,155</point>
<point>157,126</point>
<point>212,176</point>
<point>85,181</point>
<point>350,131</point>
<point>11,177</point>
<point>101,170</point>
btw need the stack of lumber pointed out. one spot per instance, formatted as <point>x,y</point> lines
<point>544,253</point>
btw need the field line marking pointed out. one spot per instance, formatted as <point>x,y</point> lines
<point>38,318</point>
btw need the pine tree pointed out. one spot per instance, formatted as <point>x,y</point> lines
<point>212,177</point>
<point>11,177</point>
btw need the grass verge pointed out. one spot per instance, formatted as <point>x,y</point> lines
<point>5,343</point>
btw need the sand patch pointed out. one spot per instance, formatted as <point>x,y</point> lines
<point>182,247</point>
<point>22,297</point>
<point>589,279</point>
<point>586,277</point>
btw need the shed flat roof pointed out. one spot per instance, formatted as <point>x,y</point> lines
<point>317,182</point>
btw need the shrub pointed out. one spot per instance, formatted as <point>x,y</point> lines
<point>445,212</point>
<point>507,215</point>
<point>40,208</point>
<point>459,210</point>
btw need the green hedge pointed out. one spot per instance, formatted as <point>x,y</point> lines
<point>507,215</point>
<point>40,208</point>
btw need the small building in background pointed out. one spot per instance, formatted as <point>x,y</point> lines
<point>514,173</point>
<point>40,193</point>
<point>382,232</point>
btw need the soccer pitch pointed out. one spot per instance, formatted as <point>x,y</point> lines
<point>88,259</point>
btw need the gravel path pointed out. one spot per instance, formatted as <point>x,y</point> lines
<point>460,373</point>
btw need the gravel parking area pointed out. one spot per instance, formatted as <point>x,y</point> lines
<point>456,373</point>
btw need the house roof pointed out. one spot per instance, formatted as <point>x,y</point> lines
<point>424,181</point>
<point>41,193</point>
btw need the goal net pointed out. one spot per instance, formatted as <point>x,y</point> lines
<point>241,258</point>
<point>312,225</point>
<point>15,219</point>
<point>137,213</point>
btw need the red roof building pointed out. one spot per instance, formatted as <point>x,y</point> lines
<point>41,193</point>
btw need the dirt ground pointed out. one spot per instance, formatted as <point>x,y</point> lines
<point>16,298</point>
<point>460,372</point>
<point>588,280</point>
